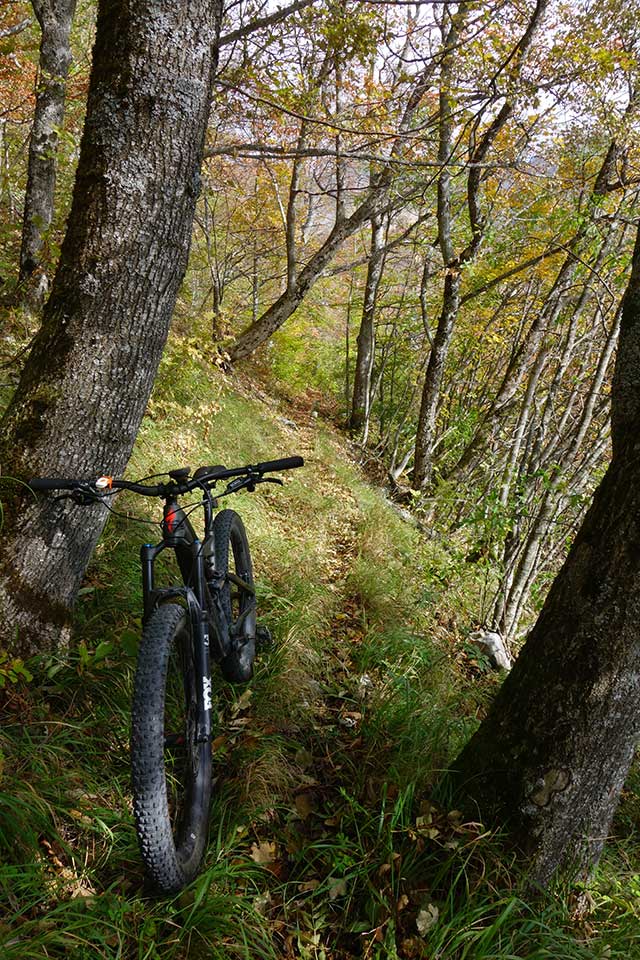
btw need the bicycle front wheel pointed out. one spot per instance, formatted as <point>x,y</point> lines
<point>171,770</point>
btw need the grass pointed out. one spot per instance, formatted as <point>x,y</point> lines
<point>325,842</point>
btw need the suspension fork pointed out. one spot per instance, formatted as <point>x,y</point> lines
<point>201,641</point>
<point>195,595</point>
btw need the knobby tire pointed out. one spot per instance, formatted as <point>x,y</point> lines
<point>171,772</point>
<point>232,554</point>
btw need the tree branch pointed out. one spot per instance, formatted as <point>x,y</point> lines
<point>531,262</point>
<point>16,28</point>
<point>266,21</point>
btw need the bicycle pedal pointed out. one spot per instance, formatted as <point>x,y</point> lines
<point>264,640</point>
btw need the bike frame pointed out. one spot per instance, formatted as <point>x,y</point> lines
<point>202,602</point>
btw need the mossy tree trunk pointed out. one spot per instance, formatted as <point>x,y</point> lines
<point>553,754</point>
<point>86,383</point>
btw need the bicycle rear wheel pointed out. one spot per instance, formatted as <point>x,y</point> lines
<point>233,562</point>
<point>172,773</point>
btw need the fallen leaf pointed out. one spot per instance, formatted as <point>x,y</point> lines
<point>261,903</point>
<point>308,886</point>
<point>411,947</point>
<point>350,718</point>
<point>264,852</point>
<point>426,918</point>
<point>81,817</point>
<point>242,703</point>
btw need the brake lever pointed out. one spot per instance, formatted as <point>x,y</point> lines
<point>249,483</point>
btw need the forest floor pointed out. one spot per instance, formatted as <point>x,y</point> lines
<point>326,842</point>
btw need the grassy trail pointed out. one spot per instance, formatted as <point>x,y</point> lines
<point>325,843</point>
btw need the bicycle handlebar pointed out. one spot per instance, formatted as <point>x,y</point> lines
<point>52,483</point>
<point>174,486</point>
<point>286,463</point>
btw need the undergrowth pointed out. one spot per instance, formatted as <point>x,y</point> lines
<point>325,844</point>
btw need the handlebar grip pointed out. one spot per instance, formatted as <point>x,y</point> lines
<point>286,463</point>
<point>52,483</point>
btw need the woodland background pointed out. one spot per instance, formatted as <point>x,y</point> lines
<point>413,237</point>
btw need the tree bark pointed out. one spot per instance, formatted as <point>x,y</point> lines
<point>553,753</point>
<point>426,430</point>
<point>55,18</point>
<point>366,336</point>
<point>85,386</point>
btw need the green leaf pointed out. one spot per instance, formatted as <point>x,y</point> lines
<point>130,641</point>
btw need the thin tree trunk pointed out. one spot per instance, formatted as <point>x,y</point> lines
<point>366,336</point>
<point>55,18</point>
<point>524,419</point>
<point>554,751</point>
<point>426,430</point>
<point>84,388</point>
<point>510,601</point>
<point>544,321</point>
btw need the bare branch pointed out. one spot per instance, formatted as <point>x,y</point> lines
<point>531,262</point>
<point>266,21</point>
<point>16,28</point>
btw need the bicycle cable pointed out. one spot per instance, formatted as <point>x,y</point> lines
<point>190,508</point>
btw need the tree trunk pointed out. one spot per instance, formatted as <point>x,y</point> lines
<point>85,386</point>
<point>426,431</point>
<point>366,336</point>
<point>289,301</point>
<point>554,751</point>
<point>545,320</point>
<point>55,18</point>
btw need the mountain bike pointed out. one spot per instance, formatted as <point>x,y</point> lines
<point>211,615</point>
